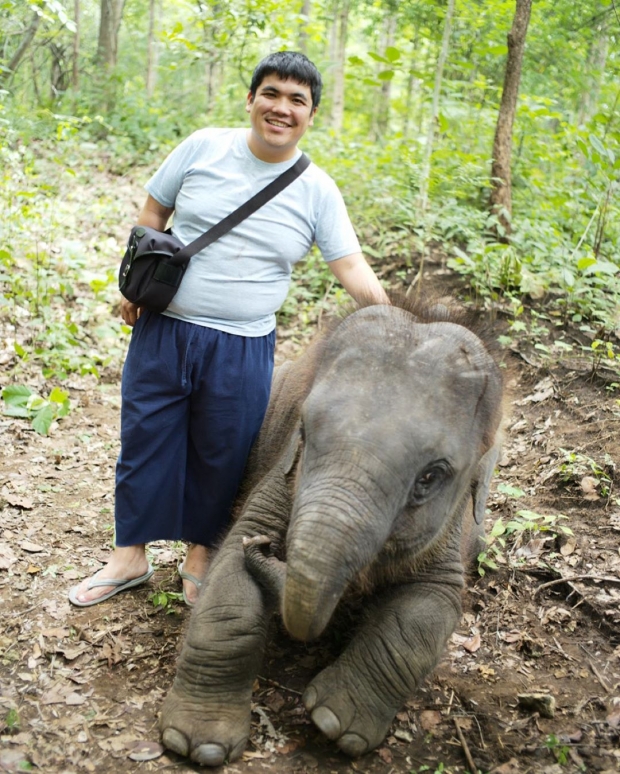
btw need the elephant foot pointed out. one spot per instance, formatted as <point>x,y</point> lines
<point>339,707</point>
<point>207,732</point>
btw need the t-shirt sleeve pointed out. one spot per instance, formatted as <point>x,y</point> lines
<point>166,183</point>
<point>335,235</point>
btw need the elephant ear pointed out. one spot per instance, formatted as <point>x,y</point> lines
<point>291,450</point>
<point>482,479</point>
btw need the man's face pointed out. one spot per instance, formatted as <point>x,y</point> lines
<point>280,113</point>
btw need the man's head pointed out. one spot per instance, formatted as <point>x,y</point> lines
<point>289,65</point>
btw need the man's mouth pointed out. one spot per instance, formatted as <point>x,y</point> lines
<point>275,122</point>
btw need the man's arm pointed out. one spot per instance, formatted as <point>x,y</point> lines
<point>358,279</point>
<point>154,215</point>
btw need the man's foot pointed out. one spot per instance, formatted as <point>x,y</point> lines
<point>126,564</point>
<point>192,571</point>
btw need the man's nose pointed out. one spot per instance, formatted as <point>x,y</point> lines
<point>280,105</point>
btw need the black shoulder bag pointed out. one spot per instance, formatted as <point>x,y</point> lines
<point>154,262</point>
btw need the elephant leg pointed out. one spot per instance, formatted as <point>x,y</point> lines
<point>206,715</point>
<point>354,700</point>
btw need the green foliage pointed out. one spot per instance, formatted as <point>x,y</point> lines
<point>166,600</point>
<point>12,722</point>
<point>561,752</point>
<point>21,401</point>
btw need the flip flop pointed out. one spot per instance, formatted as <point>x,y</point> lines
<point>119,585</point>
<point>189,577</point>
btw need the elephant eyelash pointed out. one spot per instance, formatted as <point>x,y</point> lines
<point>429,482</point>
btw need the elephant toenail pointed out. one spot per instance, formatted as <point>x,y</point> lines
<point>353,745</point>
<point>310,698</point>
<point>329,724</point>
<point>174,740</point>
<point>209,755</point>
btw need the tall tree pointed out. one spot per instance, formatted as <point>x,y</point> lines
<point>18,54</point>
<point>109,26</point>
<point>339,50</point>
<point>75,70</point>
<point>500,201</point>
<point>430,135</point>
<point>152,49</point>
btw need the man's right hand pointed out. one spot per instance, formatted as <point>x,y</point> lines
<point>129,311</point>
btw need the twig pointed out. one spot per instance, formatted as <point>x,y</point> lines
<point>572,578</point>
<point>464,745</point>
<point>278,685</point>
<point>599,677</point>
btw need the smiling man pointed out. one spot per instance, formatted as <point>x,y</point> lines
<point>197,377</point>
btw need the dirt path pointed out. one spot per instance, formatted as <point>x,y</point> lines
<point>80,689</point>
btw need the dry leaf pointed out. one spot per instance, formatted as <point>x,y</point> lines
<point>58,632</point>
<point>7,556</point>
<point>473,643</point>
<point>32,548</point>
<point>589,485</point>
<point>568,546</point>
<point>429,719</point>
<point>385,754</point>
<point>33,569</point>
<point>17,501</point>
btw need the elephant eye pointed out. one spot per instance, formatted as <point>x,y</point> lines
<point>428,482</point>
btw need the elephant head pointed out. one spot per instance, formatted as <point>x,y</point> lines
<point>394,428</point>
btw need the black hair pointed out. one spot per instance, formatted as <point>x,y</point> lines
<point>289,65</point>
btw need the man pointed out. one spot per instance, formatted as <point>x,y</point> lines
<point>197,377</point>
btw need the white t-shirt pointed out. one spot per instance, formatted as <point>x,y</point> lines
<point>238,283</point>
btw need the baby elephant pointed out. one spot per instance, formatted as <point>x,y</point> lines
<point>369,479</point>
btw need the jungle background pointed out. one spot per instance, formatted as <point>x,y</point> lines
<point>477,145</point>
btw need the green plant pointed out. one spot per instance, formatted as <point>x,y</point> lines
<point>165,600</point>
<point>522,526</point>
<point>12,721</point>
<point>574,466</point>
<point>21,401</point>
<point>559,751</point>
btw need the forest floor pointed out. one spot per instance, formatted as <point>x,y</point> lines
<point>80,689</point>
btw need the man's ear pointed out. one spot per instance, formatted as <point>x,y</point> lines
<point>248,102</point>
<point>312,114</point>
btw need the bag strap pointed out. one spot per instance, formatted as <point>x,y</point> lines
<point>242,212</point>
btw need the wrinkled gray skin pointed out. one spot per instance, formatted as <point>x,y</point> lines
<point>369,477</point>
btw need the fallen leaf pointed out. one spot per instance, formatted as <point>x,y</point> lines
<point>32,548</point>
<point>385,755</point>
<point>17,501</point>
<point>429,720</point>
<point>7,556</point>
<point>473,643</point>
<point>614,719</point>
<point>568,546</point>
<point>33,569</point>
<point>75,699</point>
<point>589,485</point>
<point>58,632</point>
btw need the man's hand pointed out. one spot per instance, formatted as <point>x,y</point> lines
<point>129,312</point>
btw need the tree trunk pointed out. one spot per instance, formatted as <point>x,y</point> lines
<point>21,49</point>
<point>152,49</point>
<point>382,115</point>
<point>109,25</point>
<point>412,87</point>
<point>597,58</point>
<point>302,38</point>
<point>500,202</point>
<point>430,136</point>
<point>75,72</point>
<point>341,22</point>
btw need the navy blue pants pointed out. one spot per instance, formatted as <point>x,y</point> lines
<point>193,400</point>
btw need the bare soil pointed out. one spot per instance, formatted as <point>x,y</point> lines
<point>80,689</point>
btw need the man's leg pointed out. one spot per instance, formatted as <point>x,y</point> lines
<point>151,467</point>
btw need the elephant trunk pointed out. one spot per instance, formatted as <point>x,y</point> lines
<point>331,539</point>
